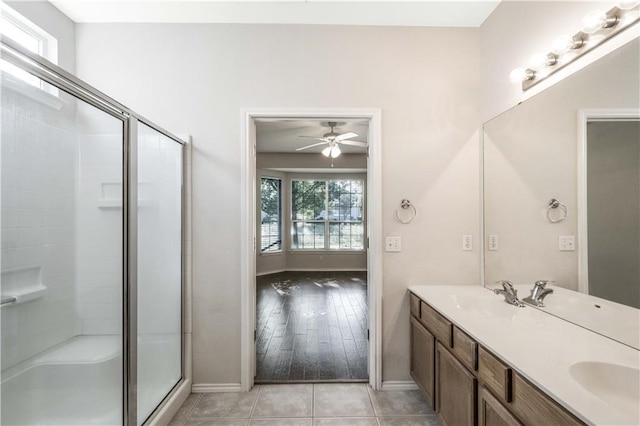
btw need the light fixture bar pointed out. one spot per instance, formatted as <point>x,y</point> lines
<point>598,28</point>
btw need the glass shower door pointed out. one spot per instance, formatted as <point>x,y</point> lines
<point>62,258</point>
<point>159,268</point>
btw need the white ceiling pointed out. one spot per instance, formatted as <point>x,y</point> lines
<point>420,13</point>
<point>284,135</point>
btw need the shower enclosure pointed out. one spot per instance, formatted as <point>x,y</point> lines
<point>91,266</point>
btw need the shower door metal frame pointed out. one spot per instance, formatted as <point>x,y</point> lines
<point>54,75</point>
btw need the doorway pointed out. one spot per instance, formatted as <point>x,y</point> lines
<point>609,204</point>
<point>305,286</point>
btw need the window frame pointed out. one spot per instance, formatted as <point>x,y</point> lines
<point>280,216</point>
<point>326,221</point>
<point>47,44</point>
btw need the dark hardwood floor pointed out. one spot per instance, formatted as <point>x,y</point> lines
<point>311,326</point>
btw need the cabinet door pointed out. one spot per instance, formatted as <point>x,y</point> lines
<point>491,412</point>
<point>455,390</point>
<point>423,359</point>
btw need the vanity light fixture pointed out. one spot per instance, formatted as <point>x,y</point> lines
<point>597,20</point>
<point>597,27</point>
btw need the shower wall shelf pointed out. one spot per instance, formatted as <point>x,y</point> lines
<point>21,285</point>
<point>24,295</point>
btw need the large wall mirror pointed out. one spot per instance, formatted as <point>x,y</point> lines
<point>577,143</point>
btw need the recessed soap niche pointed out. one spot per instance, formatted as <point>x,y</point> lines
<point>111,195</point>
<point>22,285</point>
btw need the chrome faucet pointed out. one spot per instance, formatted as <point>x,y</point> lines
<point>510,294</point>
<point>538,293</point>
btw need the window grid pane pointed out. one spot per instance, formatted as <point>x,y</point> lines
<point>308,235</point>
<point>346,236</point>
<point>334,205</point>
<point>271,214</point>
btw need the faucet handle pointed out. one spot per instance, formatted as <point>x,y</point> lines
<point>506,285</point>
<point>542,283</point>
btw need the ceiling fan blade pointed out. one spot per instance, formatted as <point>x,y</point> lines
<point>312,145</point>
<point>313,137</point>
<point>354,143</point>
<point>347,135</point>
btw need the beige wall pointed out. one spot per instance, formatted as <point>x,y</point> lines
<point>195,79</point>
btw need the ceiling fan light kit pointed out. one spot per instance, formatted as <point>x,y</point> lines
<point>333,141</point>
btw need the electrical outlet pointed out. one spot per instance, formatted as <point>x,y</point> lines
<point>567,243</point>
<point>493,242</point>
<point>467,242</point>
<point>393,244</point>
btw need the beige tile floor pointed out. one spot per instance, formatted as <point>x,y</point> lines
<point>307,405</point>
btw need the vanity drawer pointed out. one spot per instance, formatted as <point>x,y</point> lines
<point>465,349</point>
<point>439,326</point>
<point>533,407</point>
<point>496,376</point>
<point>414,301</point>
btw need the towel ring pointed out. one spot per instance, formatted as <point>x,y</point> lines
<point>406,204</point>
<point>554,204</point>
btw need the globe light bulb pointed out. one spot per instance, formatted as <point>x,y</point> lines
<point>335,151</point>
<point>562,44</point>
<point>519,75</point>
<point>626,5</point>
<point>538,61</point>
<point>596,20</point>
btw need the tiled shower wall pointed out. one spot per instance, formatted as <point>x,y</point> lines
<point>39,169</point>
<point>99,224</point>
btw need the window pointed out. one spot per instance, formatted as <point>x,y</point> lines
<point>271,215</point>
<point>327,214</point>
<point>29,36</point>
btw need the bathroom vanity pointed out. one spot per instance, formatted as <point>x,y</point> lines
<point>479,360</point>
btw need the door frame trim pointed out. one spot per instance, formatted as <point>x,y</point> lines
<point>248,230</point>
<point>584,116</point>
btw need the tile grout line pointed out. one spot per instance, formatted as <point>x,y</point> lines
<point>375,412</point>
<point>313,402</point>
<point>188,416</point>
<point>255,402</point>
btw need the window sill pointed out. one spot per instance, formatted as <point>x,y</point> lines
<point>40,95</point>
<point>271,253</point>
<point>328,252</point>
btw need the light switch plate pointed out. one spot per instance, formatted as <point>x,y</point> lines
<point>393,244</point>
<point>493,242</point>
<point>467,242</point>
<point>567,243</point>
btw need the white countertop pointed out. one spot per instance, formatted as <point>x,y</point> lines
<point>539,346</point>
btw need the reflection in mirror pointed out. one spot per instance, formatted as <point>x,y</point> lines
<point>611,181</point>
<point>535,152</point>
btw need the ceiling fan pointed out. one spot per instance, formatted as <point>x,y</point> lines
<point>333,141</point>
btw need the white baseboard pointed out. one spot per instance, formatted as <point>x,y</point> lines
<point>212,388</point>
<point>277,271</point>
<point>392,385</point>
<point>326,269</point>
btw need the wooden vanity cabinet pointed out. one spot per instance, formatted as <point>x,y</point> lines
<point>466,384</point>
<point>455,390</point>
<point>533,407</point>
<point>423,346</point>
<point>491,412</point>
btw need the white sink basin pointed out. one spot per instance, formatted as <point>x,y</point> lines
<point>491,304</point>
<point>617,385</point>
